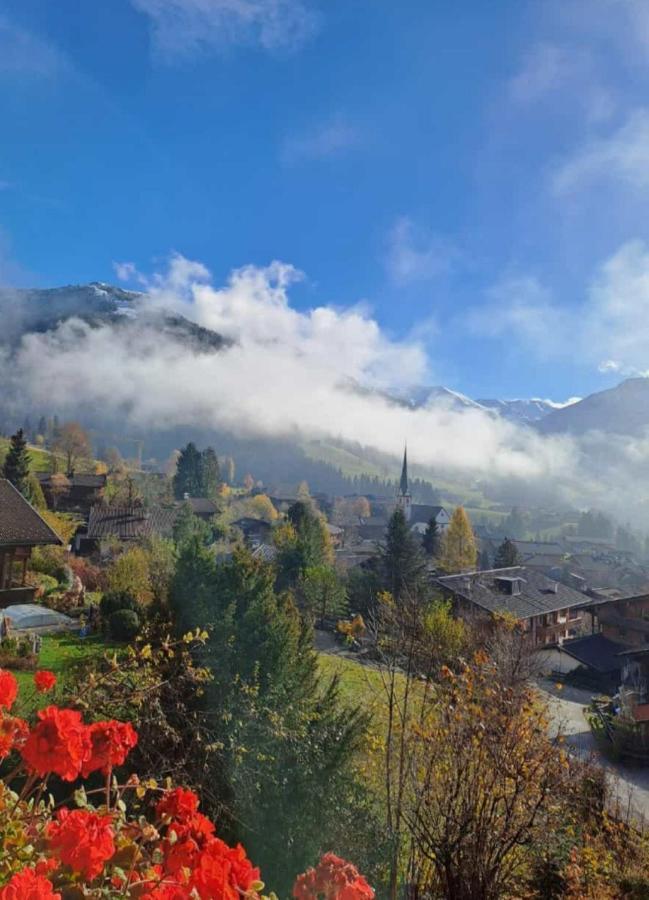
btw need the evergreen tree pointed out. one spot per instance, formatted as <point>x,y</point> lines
<point>506,555</point>
<point>313,546</point>
<point>42,426</point>
<point>211,473</point>
<point>459,551</point>
<point>431,538</point>
<point>323,593</point>
<point>403,565</point>
<point>189,473</point>
<point>267,704</point>
<point>16,464</point>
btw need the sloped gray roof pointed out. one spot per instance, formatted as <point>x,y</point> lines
<point>200,505</point>
<point>595,651</point>
<point>20,524</point>
<point>538,594</point>
<point>423,512</point>
<point>131,522</point>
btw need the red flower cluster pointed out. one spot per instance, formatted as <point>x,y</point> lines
<point>44,680</point>
<point>28,885</point>
<point>110,745</point>
<point>82,840</point>
<point>8,689</point>
<point>217,870</point>
<point>178,804</point>
<point>333,879</point>
<point>62,744</point>
<point>59,743</point>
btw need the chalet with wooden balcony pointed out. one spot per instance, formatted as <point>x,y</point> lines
<point>21,529</point>
<point>550,612</point>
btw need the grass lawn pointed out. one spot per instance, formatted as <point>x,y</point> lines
<point>59,653</point>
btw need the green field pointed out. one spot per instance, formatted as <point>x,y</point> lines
<point>60,654</point>
<point>40,459</point>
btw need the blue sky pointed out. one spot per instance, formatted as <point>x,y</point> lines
<point>476,173</point>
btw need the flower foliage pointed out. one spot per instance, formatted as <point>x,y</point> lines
<point>144,841</point>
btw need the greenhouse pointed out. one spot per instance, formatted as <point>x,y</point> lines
<point>25,616</point>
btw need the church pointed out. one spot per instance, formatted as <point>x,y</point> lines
<point>418,515</point>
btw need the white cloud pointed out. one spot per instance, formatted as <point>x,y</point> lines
<point>609,329</point>
<point>415,255</point>
<point>326,140</point>
<point>286,372</point>
<point>25,54</point>
<point>622,156</point>
<point>185,28</point>
<point>545,68</point>
<point>521,307</point>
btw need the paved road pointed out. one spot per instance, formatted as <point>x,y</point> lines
<point>631,784</point>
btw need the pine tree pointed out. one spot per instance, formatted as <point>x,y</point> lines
<point>211,473</point>
<point>16,464</point>
<point>459,551</point>
<point>402,561</point>
<point>484,561</point>
<point>267,700</point>
<point>189,473</point>
<point>42,426</point>
<point>506,555</point>
<point>431,538</point>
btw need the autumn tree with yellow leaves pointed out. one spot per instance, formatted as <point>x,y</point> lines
<point>459,551</point>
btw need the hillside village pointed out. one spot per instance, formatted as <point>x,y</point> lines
<point>557,588</point>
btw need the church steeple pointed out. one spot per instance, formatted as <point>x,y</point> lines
<point>403,484</point>
<point>404,499</point>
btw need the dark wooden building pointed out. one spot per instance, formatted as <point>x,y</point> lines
<point>21,529</point>
<point>74,493</point>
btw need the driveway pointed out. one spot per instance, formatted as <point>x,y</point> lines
<point>630,783</point>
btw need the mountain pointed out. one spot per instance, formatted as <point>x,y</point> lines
<point>97,303</point>
<point>523,412</point>
<point>422,396</point>
<point>620,410</point>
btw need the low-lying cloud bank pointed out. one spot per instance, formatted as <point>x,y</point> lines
<point>322,373</point>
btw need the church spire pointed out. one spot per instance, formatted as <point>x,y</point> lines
<point>403,484</point>
<point>404,500</point>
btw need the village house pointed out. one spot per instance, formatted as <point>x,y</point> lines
<point>550,612</point>
<point>624,620</point>
<point>255,531</point>
<point>73,493</point>
<point>124,523</point>
<point>202,507</point>
<point>21,529</point>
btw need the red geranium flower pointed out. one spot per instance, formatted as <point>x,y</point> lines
<point>190,837</point>
<point>8,689</point>
<point>82,840</point>
<point>27,885</point>
<point>178,804</point>
<point>334,879</point>
<point>110,744</point>
<point>59,743</point>
<point>13,733</point>
<point>223,872</point>
<point>44,680</point>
